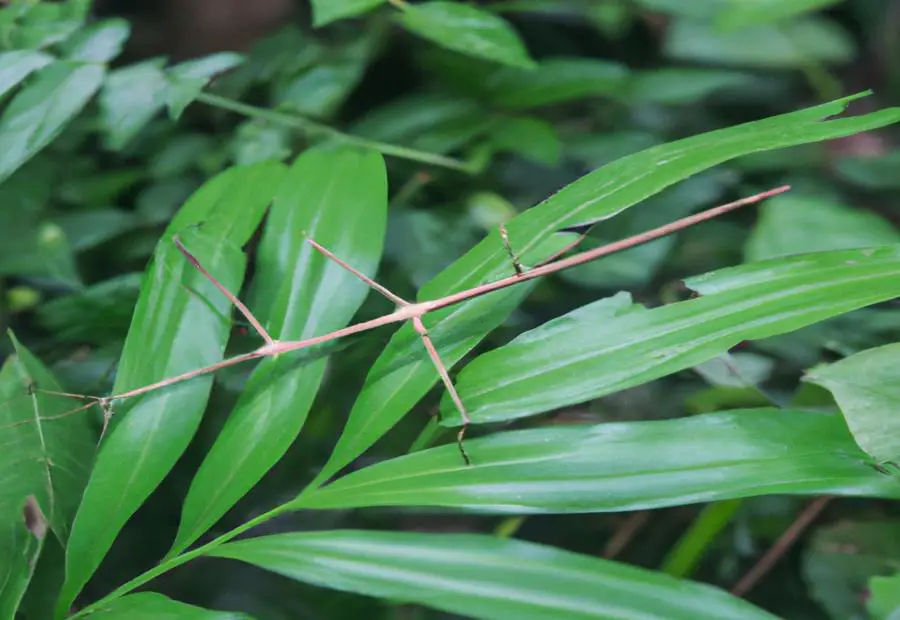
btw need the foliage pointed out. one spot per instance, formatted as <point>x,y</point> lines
<point>718,377</point>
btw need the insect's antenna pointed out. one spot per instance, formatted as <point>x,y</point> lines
<point>369,281</point>
<point>244,310</point>
<point>445,378</point>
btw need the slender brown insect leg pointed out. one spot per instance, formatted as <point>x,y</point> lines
<point>244,310</point>
<point>504,236</point>
<point>445,377</point>
<point>369,281</point>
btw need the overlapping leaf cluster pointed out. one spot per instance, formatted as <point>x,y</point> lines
<point>322,438</point>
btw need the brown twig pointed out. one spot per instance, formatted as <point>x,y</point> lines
<point>414,312</point>
<point>781,546</point>
<point>625,532</point>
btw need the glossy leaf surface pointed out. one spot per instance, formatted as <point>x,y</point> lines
<point>152,606</point>
<point>467,30</point>
<point>180,324</point>
<point>485,576</point>
<point>592,351</point>
<point>339,198</point>
<point>403,374</point>
<point>623,466</point>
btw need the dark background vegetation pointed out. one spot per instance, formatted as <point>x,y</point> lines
<point>80,221</point>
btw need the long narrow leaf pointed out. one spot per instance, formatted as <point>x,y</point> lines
<point>403,374</point>
<point>623,466</point>
<point>180,324</point>
<point>152,606</point>
<point>339,198</point>
<point>589,353</point>
<point>486,577</point>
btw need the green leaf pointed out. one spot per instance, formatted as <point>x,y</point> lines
<point>41,110</point>
<point>874,172</point>
<point>130,98</point>
<point>795,224</point>
<point>865,387</point>
<point>180,324</point>
<point>339,198</point>
<point>884,603</point>
<point>590,353</point>
<point>187,79</point>
<point>327,11</point>
<point>430,122</point>
<point>531,137</point>
<point>840,559</point>
<point>788,46</point>
<point>17,65</point>
<point>744,13</point>
<point>42,24</point>
<point>625,466</point>
<point>46,457</point>
<point>152,606</point>
<point>403,373</point>
<point>99,43</point>
<point>555,81</point>
<point>320,90</point>
<point>683,85</point>
<point>468,30</point>
<point>481,576</point>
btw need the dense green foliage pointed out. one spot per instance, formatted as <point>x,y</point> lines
<point>643,427</point>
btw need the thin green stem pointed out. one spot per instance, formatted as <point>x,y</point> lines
<point>692,546</point>
<point>312,127</point>
<point>184,558</point>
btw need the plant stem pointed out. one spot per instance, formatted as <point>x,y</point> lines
<point>167,565</point>
<point>312,127</point>
<point>781,546</point>
<point>690,548</point>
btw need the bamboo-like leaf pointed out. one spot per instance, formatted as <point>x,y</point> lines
<point>403,374</point>
<point>339,198</point>
<point>180,324</point>
<point>623,466</point>
<point>486,577</point>
<point>592,352</point>
<point>152,606</point>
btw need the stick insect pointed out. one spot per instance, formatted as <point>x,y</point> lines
<point>413,312</point>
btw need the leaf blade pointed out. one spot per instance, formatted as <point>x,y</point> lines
<point>484,576</point>
<point>39,112</point>
<point>622,466</point>
<point>153,606</point>
<point>467,30</point>
<point>174,329</point>
<point>864,386</point>
<point>339,198</point>
<point>590,353</point>
<point>403,374</point>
